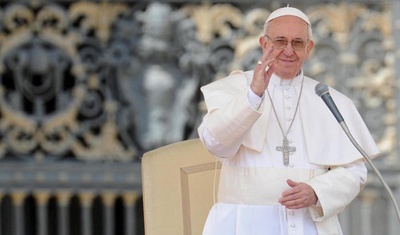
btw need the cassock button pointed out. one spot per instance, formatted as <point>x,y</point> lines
<point>287,97</point>
<point>291,165</point>
<point>293,225</point>
<point>288,107</point>
<point>291,212</point>
<point>289,119</point>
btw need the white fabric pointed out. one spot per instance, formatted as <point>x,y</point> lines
<point>228,105</point>
<point>288,11</point>
<point>314,114</point>
<point>254,100</point>
<point>241,185</point>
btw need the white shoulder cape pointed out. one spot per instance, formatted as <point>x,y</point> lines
<point>326,142</point>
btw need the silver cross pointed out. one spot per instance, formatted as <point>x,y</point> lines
<point>286,150</point>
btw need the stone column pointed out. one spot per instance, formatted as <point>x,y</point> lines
<point>130,199</point>
<point>108,216</point>
<point>18,198</point>
<point>42,199</point>
<point>63,199</point>
<point>86,216</point>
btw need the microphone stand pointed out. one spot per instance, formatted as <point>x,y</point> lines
<point>365,155</point>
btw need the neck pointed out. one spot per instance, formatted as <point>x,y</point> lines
<point>294,81</point>
<point>286,82</point>
<point>290,77</point>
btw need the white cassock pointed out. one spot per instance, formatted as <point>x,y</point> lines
<point>244,133</point>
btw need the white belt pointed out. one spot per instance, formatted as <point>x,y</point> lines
<point>259,186</point>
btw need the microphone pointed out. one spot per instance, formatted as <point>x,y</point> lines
<point>322,91</point>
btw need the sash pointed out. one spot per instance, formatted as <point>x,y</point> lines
<point>259,185</point>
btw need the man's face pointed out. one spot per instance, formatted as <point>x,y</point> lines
<point>289,59</point>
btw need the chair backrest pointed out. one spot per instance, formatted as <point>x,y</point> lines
<point>178,182</point>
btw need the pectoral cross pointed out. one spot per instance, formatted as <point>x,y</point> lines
<point>286,150</point>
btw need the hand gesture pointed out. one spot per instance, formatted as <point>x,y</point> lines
<point>262,72</point>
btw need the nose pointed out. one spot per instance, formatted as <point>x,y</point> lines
<point>288,50</point>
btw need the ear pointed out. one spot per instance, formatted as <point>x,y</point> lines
<point>263,43</point>
<point>310,46</point>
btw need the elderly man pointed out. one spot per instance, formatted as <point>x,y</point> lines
<point>288,168</point>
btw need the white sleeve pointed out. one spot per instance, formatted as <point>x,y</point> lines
<point>254,100</point>
<point>215,147</point>
<point>337,188</point>
<point>223,130</point>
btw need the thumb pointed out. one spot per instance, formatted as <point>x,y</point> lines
<point>292,183</point>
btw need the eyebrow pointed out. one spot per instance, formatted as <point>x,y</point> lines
<point>287,39</point>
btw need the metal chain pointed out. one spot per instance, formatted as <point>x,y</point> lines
<point>295,112</point>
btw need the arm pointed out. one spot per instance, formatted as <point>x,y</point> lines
<point>327,194</point>
<point>223,129</point>
<point>233,109</point>
<point>337,188</point>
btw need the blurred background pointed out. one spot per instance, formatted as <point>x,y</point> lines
<point>87,87</point>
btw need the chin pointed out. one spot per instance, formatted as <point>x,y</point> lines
<point>286,74</point>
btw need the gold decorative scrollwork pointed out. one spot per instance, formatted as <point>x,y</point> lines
<point>91,71</point>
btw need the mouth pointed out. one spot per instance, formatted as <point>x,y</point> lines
<point>287,62</point>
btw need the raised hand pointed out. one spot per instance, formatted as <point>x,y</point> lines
<point>262,72</point>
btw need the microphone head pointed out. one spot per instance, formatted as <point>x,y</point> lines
<point>321,89</point>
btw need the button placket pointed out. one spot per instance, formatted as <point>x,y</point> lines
<point>289,112</point>
<point>289,103</point>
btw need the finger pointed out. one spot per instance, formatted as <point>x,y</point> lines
<point>288,196</point>
<point>268,68</point>
<point>295,205</point>
<point>292,183</point>
<point>266,59</point>
<point>267,53</point>
<point>262,73</point>
<point>286,200</point>
<point>293,189</point>
<point>302,198</point>
<point>295,202</point>
<point>263,65</point>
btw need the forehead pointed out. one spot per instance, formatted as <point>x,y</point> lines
<point>288,26</point>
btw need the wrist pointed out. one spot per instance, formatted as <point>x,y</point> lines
<point>257,91</point>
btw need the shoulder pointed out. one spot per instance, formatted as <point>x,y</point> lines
<point>310,83</point>
<point>236,80</point>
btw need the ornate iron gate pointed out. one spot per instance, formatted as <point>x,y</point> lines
<point>86,87</point>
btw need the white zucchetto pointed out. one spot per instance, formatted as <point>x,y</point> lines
<point>288,11</point>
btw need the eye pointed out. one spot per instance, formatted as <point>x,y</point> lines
<point>279,42</point>
<point>297,43</point>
